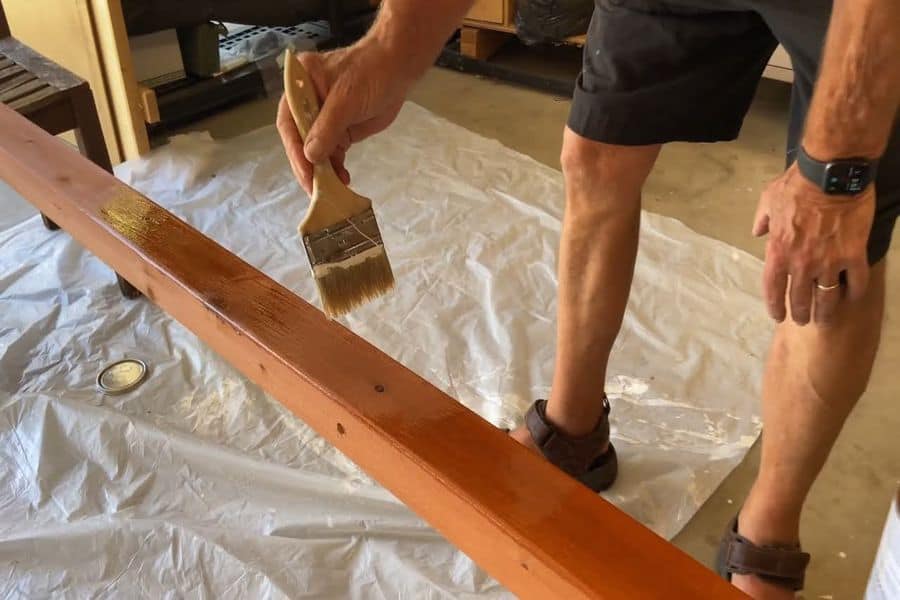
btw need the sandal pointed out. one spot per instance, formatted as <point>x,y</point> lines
<point>581,457</point>
<point>781,565</point>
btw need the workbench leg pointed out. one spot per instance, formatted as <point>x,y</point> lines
<point>128,290</point>
<point>88,132</point>
<point>48,223</point>
<point>89,135</point>
<point>480,43</point>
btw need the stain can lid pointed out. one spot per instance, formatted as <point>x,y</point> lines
<point>122,376</point>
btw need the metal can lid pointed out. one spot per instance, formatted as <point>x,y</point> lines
<point>122,376</point>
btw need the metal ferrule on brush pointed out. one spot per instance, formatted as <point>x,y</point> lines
<point>343,241</point>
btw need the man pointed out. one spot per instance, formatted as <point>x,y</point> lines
<point>657,71</point>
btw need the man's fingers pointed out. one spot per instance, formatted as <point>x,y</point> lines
<point>321,141</point>
<point>312,64</point>
<point>775,281</point>
<point>329,131</point>
<point>857,275</point>
<point>293,145</point>
<point>801,297</point>
<point>377,124</point>
<point>827,300</point>
<point>370,127</point>
<point>337,161</point>
<point>761,220</point>
<point>337,108</point>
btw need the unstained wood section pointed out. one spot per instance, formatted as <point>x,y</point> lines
<point>494,11</point>
<point>121,83</point>
<point>537,531</point>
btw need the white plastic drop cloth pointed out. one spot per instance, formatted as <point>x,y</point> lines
<point>197,484</point>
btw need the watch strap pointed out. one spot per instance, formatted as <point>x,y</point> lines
<point>847,176</point>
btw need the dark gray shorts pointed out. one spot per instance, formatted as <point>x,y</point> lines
<point>659,71</point>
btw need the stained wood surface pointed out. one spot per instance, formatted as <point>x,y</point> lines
<point>537,531</point>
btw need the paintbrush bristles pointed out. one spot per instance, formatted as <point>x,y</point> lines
<point>344,288</point>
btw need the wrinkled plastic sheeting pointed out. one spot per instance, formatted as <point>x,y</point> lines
<point>198,483</point>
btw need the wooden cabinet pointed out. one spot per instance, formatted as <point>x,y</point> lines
<point>493,11</point>
<point>88,37</point>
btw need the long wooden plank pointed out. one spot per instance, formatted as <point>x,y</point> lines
<point>537,531</point>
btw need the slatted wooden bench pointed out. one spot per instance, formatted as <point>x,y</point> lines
<point>539,532</point>
<point>54,99</point>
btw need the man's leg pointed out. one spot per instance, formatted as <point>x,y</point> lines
<point>596,263</point>
<point>814,376</point>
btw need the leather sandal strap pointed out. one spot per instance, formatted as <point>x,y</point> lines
<point>571,454</point>
<point>784,565</point>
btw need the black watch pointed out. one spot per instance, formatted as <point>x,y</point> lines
<point>845,176</point>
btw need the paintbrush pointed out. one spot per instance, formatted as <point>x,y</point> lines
<point>340,234</point>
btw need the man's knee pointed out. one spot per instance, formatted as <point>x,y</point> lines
<point>598,167</point>
<point>839,354</point>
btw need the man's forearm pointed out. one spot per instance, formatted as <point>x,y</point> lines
<point>414,31</point>
<point>858,90</point>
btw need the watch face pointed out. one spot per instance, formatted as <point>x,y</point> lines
<point>846,177</point>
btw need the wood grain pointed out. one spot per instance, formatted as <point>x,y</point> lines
<point>537,531</point>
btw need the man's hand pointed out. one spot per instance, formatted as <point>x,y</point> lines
<point>813,238</point>
<point>361,94</point>
<point>362,87</point>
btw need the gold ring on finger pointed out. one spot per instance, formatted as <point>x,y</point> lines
<point>828,288</point>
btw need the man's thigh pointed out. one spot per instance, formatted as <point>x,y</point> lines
<point>660,71</point>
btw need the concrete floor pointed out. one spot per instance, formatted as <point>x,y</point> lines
<point>714,190</point>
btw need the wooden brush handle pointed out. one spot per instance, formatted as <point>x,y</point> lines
<point>301,94</point>
<point>304,104</point>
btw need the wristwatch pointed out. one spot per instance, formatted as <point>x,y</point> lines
<point>846,176</point>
